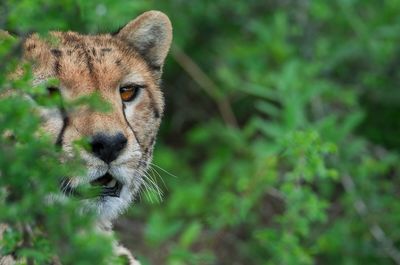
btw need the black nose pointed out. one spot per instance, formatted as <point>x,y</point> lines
<point>108,147</point>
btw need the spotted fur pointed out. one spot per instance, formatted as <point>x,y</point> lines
<point>84,64</point>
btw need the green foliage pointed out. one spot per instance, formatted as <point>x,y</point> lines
<point>313,86</point>
<point>40,226</point>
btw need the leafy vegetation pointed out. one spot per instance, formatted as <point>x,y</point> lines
<point>279,144</point>
<point>41,226</point>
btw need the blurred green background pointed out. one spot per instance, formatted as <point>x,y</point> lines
<point>280,140</point>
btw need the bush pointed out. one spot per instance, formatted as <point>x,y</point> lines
<point>40,226</point>
<point>279,144</point>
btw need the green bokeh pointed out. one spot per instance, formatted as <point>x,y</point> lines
<point>288,124</point>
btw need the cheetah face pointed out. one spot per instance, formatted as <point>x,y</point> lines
<point>125,70</point>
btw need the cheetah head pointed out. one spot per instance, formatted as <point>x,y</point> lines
<point>125,70</point>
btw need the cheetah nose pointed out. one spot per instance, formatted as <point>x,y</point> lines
<point>108,147</point>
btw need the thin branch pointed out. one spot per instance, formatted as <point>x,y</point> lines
<point>376,231</point>
<point>205,82</point>
<point>27,241</point>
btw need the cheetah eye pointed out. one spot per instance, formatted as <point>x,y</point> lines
<point>129,92</point>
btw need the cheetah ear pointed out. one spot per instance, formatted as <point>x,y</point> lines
<point>151,35</point>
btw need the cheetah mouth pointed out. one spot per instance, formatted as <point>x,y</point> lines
<point>102,187</point>
<point>109,186</point>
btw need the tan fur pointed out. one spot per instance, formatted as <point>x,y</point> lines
<point>76,79</point>
<point>84,64</point>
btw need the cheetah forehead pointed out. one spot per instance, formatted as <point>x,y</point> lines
<point>96,61</point>
<point>99,61</point>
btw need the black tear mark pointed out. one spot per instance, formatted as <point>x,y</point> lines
<point>94,52</point>
<point>129,125</point>
<point>155,67</point>
<point>156,111</point>
<point>149,148</point>
<point>65,118</point>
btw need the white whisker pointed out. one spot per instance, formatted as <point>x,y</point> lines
<point>150,185</point>
<point>169,173</point>
<point>153,170</point>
